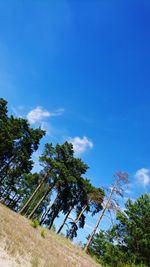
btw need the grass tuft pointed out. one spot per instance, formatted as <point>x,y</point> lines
<point>35,223</point>
<point>35,262</point>
<point>43,233</point>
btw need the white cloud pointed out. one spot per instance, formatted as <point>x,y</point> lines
<point>143,176</point>
<point>57,112</point>
<point>38,114</point>
<point>80,145</point>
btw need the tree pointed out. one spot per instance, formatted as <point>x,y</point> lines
<point>22,191</point>
<point>128,241</point>
<point>18,141</point>
<point>133,230</point>
<point>64,221</point>
<point>109,203</point>
<point>105,252</point>
<point>61,172</point>
<point>69,173</point>
<point>91,200</point>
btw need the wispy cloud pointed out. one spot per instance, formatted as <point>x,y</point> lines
<point>80,145</point>
<point>143,177</point>
<point>18,111</point>
<point>38,114</point>
<point>128,191</point>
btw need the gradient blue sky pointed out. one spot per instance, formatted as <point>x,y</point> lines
<point>87,65</point>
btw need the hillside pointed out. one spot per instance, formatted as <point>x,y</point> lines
<point>22,245</point>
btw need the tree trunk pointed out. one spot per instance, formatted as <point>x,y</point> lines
<point>53,218</point>
<point>55,212</point>
<point>77,219</point>
<point>79,216</point>
<point>93,232</point>
<point>98,222</point>
<point>44,216</point>
<point>39,203</point>
<point>65,219</point>
<point>32,196</point>
<point>5,168</point>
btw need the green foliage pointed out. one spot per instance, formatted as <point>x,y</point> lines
<point>35,223</point>
<point>43,233</point>
<point>133,265</point>
<point>18,141</point>
<point>65,173</point>
<point>128,242</point>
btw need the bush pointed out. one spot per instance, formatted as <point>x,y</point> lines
<point>35,223</point>
<point>43,233</point>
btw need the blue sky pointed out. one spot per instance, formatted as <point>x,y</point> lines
<point>81,70</point>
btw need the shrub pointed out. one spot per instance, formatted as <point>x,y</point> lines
<point>43,233</point>
<point>35,223</point>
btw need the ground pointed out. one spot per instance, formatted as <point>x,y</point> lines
<point>21,245</point>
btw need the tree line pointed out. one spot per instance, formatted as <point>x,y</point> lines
<point>60,187</point>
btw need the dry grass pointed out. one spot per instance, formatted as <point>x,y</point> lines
<point>29,249</point>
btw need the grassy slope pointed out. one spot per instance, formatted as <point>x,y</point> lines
<point>22,245</point>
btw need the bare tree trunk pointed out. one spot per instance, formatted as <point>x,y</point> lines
<point>98,222</point>
<point>80,214</point>
<point>32,196</point>
<point>39,203</point>
<point>93,232</point>
<point>121,178</point>
<point>65,219</point>
<point>28,207</point>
